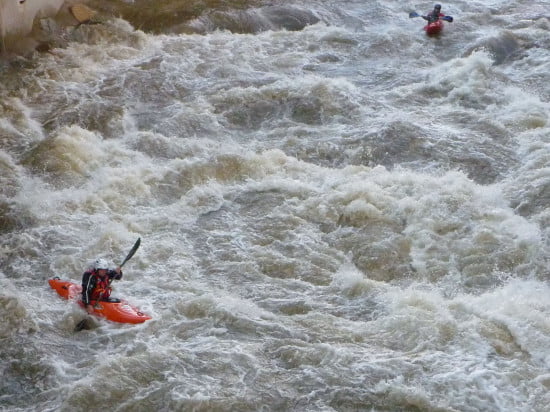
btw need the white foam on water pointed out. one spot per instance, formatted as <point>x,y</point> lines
<point>278,273</point>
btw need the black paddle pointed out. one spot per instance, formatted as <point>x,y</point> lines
<point>131,252</point>
<point>83,324</point>
<point>446,18</point>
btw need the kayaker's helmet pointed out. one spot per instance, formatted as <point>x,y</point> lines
<point>437,7</point>
<point>101,264</point>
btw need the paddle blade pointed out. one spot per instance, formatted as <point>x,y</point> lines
<point>447,18</point>
<point>413,14</point>
<point>131,252</point>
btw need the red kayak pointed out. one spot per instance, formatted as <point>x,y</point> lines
<point>115,310</point>
<point>434,28</point>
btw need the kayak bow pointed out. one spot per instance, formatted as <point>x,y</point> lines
<point>434,28</point>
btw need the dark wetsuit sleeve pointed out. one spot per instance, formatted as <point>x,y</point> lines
<point>113,275</point>
<point>433,16</point>
<point>88,285</point>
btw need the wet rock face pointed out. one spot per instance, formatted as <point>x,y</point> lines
<point>33,26</point>
<point>19,16</point>
<point>236,20</point>
<point>51,23</point>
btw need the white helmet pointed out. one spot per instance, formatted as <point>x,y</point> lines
<point>101,264</point>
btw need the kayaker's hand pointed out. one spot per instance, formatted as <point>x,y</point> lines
<point>118,270</point>
<point>89,309</point>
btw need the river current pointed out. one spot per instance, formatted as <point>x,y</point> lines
<point>336,211</point>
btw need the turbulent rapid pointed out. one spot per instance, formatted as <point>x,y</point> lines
<point>336,211</point>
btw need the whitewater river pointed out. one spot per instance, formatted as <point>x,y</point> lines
<point>336,211</point>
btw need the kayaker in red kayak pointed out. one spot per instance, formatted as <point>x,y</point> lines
<point>435,20</point>
<point>434,15</point>
<point>96,282</point>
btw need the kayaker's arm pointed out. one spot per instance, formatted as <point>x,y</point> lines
<point>115,274</point>
<point>442,17</point>
<point>88,285</point>
<point>415,14</point>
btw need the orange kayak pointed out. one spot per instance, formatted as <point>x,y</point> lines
<point>116,310</point>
